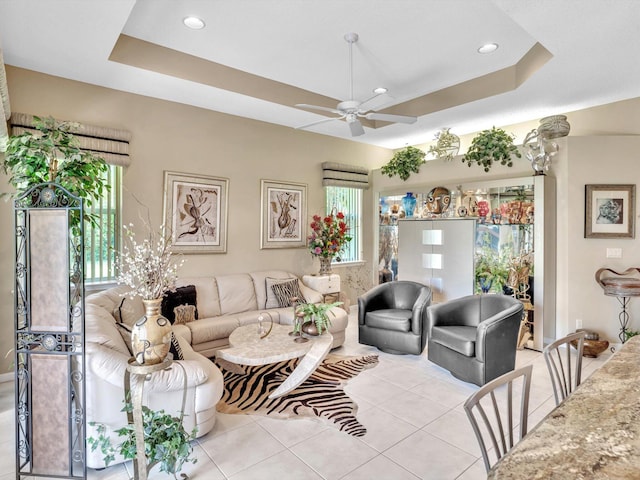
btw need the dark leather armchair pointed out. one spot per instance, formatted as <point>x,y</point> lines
<point>475,337</point>
<point>392,317</point>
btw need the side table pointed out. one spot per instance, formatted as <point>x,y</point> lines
<point>134,417</point>
<point>327,285</point>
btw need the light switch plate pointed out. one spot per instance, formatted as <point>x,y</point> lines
<point>614,253</point>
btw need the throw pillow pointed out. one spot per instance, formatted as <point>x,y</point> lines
<point>285,291</point>
<point>272,301</point>
<point>181,296</point>
<point>184,314</point>
<point>175,348</point>
<point>129,311</point>
<point>125,333</point>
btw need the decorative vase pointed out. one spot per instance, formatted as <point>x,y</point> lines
<point>409,204</point>
<point>151,335</point>
<point>310,328</point>
<point>325,266</point>
<point>485,285</point>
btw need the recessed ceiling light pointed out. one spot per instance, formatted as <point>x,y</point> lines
<point>380,90</point>
<point>193,23</point>
<point>488,48</point>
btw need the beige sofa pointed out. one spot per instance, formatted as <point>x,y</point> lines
<point>224,303</point>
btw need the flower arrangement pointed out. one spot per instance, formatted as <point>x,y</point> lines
<point>147,267</point>
<point>329,235</point>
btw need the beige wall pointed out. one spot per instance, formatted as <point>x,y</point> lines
<point>171,136</point>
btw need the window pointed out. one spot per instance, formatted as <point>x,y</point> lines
<point>101,244</point>
<point>348,201</point>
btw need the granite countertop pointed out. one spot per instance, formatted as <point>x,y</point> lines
<point>594,434</point>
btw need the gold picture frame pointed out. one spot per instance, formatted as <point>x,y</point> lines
<point>195,209</point>
<point>610,211</point>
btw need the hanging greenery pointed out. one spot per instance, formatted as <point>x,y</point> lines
<point>447,145</point>
<point>491,146</point>
<point>53,155</point>
<point>404,162</point>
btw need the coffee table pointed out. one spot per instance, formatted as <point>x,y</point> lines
<point>247,348</point>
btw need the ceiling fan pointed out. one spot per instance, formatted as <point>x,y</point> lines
<point>351,110</point>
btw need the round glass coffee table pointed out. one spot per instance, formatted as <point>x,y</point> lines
<point>247,348</point>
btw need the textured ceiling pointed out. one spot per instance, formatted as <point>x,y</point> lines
<point>258,58</point>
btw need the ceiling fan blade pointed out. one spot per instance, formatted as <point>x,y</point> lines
<point>381,99</point>
<point>385,117</point>
<point>356,128</point>
<point>318,107</point>
<point>318,122</point>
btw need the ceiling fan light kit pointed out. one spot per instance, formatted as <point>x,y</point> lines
<point>352,110</point>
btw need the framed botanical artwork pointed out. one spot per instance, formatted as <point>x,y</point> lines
<point>610,211</point>
<point>195,208</point>
<point>284,214</point>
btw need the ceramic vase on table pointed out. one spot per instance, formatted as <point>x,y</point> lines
<point>151,335</point>
<point>325,266</point>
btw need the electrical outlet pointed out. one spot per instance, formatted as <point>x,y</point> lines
<point>578,323</point>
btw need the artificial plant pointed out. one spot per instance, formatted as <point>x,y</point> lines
<point>317,313</point>
<point>166,442</point>
<point>52,155</point>
<point>446,146</point>
<point>404,162</point>
<point>491,146</point>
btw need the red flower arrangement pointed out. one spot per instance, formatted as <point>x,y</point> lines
<point>329,235</point>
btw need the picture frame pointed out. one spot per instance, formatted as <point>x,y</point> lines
<point>195,210</point>
<point>284,214</point>
<point>610,211</point>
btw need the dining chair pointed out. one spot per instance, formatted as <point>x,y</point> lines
<point>494,404</point>
<point>565,373</point>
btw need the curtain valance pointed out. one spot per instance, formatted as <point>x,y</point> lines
<point>108,143</point>
<point>341,175</point>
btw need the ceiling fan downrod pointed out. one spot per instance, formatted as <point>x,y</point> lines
<point>351,38</point>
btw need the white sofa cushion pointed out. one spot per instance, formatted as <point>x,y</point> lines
<point>237,293</point>
<point>206,294</point>
<point>213,328</point>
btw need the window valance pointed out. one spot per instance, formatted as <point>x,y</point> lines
<point>341,175</point>
<point>108,143</point>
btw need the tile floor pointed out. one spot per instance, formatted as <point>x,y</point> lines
<point>417,429</point>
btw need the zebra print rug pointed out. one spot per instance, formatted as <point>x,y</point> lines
<point>321,396</point>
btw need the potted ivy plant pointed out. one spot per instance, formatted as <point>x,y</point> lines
<point>315,318</point>
<point>166,442</point>
<point>52,155</point>
<point>491,146</point>
<point>404,162</point>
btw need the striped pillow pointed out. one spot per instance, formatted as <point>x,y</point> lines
<point>285,291</point>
